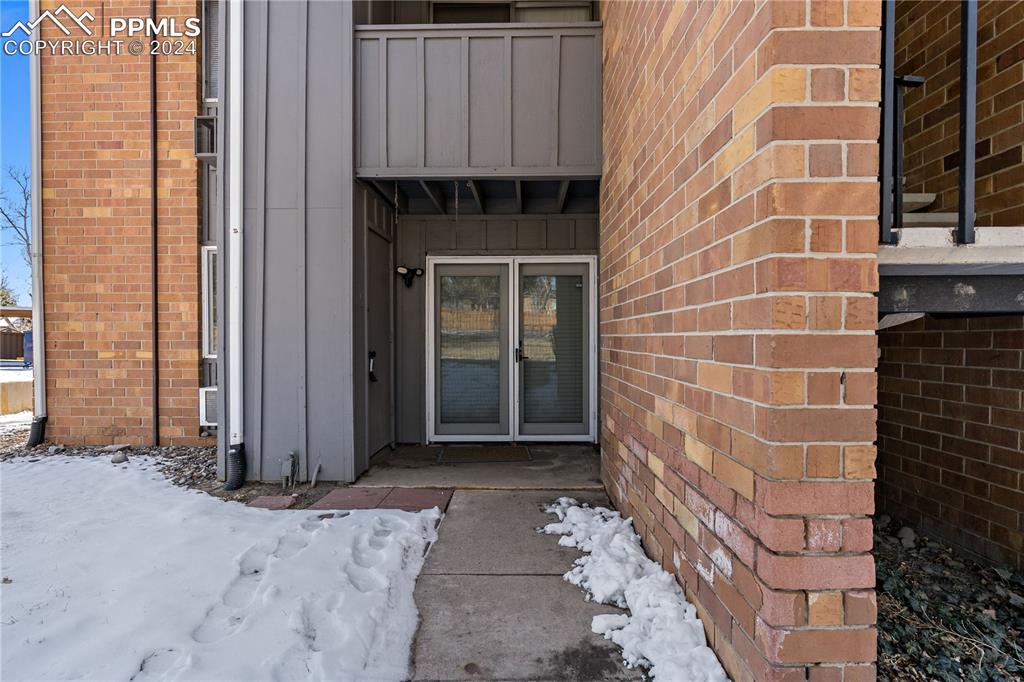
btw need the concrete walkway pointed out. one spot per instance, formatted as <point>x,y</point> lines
<point>565,467</point>
<point>492,601</point>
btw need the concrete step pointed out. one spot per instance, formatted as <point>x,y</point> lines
<point>1001,236</point>
<point>1008,239</point>
<point>930,219</point>
<point>926,236</point>
<point>917,200</point>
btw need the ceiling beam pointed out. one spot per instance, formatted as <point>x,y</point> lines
<point>435,196</point>
<point>389,192</point>
<point>563,191</point>
<point>961,294</point>
<point>519,195</point>
<point>381,191</point>
<point>477,195</point>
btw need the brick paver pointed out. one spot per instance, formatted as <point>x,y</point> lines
<point>406,499</point>
<point>273,502</point>
<point>351,498</point>
<point>415,499</point>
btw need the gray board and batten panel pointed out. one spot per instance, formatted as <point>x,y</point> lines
<point>298,254</point>
<point>373,324</point>
<point>420,236</point>
<point>478,100</point>
<point>305,268</point>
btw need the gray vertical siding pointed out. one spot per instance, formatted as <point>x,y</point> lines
<point>329,239</point>
<point>306,219</point>
<point>515,100</point>
<point>298,238</point>
<point>420,236</point>
<point>370,213</point>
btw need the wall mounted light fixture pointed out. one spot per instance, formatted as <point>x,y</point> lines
<point>408,274</point>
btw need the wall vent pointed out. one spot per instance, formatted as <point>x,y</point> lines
<point>208,406</point>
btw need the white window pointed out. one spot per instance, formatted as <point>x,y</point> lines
<point>209,294</point>
<point>211,50</point>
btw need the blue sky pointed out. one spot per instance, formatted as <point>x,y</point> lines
<point>15,140</point>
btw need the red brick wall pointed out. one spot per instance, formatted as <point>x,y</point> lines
<point>738,241</point>
<point>951,431</point>
<point>928,44</point>
<point>96,241</point>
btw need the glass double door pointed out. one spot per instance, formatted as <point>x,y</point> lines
<point>512,352</point>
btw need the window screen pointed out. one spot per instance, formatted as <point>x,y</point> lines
<point>553,328</point>
<point>470,349</point>
<point>209,302</point>
<point>211,49</point>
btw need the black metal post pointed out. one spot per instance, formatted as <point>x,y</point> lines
<point>885,235</point>
<point>968,118</point>
<point>897,158</point>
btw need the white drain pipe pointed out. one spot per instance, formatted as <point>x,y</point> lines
<point>38,432</point>
<point>235,460</point>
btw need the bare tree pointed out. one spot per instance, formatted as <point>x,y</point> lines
<point>7,296</point>
<point>16,214</point>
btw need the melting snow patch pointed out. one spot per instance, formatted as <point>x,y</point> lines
<point>115,574</point>
<point>18,421</point>
<point>661,631</point>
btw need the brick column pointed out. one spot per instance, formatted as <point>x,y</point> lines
<point>96,238</point>
<point>738,236</point>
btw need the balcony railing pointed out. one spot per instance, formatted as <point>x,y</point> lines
<point>478,100</point>
<point>891,170</point>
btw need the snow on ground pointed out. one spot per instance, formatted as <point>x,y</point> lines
<point>116,574</point>
<point>11,374</point>
<point>9,423</point>
<point>662,631</point>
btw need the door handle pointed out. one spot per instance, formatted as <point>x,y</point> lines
<point>373,358</point>
<point>519,355</point>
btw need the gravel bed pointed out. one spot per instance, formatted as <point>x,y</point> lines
<point>189,467</point>
<point>12,440</point>
<point>941,614</point>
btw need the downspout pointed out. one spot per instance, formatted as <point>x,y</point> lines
<point>38,432</point>
<point>235,460</point>
<point>153,224</point>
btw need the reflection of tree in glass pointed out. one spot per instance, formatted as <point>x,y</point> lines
<point>539,316</point>
<point>469,323</point>
<point>474,293</point>
<point>540,291</point>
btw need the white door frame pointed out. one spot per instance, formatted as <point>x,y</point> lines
<point>513,263</point>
